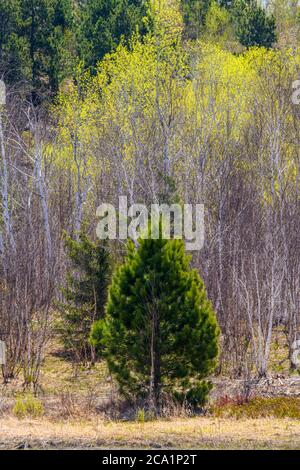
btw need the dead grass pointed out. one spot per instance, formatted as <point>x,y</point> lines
<point>193,433</point>
<point>59,376</point>
<point>75,404</point>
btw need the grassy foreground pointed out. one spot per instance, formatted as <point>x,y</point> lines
<point>72,410</point>
<point>192,433</point>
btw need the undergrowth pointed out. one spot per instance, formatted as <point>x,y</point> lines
<point>258,407</point>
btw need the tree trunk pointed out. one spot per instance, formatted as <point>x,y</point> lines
<point>154,392</point>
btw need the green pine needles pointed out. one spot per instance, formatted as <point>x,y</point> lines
<point>160,334</point>
<point>85,295</point>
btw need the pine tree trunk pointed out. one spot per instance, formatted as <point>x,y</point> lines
<point>154,393</point>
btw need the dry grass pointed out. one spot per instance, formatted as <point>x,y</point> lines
<point>258,407</point>
<point>58,376</point>
<point>76,415</point>
<point>193,433</point>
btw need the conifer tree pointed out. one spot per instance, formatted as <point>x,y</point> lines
<point>194,15</point>
<point>254,27</point>
<point>37,43</point>
<point>85,295</point>
<point>160,334</point>
<point>104,22</point>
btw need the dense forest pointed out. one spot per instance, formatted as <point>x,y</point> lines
<point>185,101</point>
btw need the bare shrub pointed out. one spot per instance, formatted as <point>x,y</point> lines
<point>68,405</point>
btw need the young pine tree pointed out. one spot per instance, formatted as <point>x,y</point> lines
<point>160,333</point>
<point>85,295</point>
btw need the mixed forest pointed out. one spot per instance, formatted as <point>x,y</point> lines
<point>162,101</point>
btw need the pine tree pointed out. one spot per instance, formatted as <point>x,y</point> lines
<point>14,50</point>
<point>194,15</point>
<point>104,22</point>
<point>253,25</point>
<point>37,43</point>
<point>85,295</point>
<point>160,334</point>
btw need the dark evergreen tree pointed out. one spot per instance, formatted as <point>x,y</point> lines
<point>40,40</point>
<point>194,14</point>
<point>47,25</point>
<point>85,295</point>
<point>254,27</point>
<point>160,333</point>
<point>226,4</point>
<point>37,42</point>
<point>14,50</point>
<point>104,22</point>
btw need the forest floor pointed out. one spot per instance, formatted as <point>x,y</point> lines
<point>74,408</point>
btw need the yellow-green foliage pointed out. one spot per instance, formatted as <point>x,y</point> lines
<point>143,415</point>
<point>277,407</point>
<point>217,23</point>
<point>167,17</point>
<point>28,406</point>
<point>200,99</point>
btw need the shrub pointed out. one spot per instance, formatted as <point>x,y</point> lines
<point>28,406</point>
<point>143,415</point>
